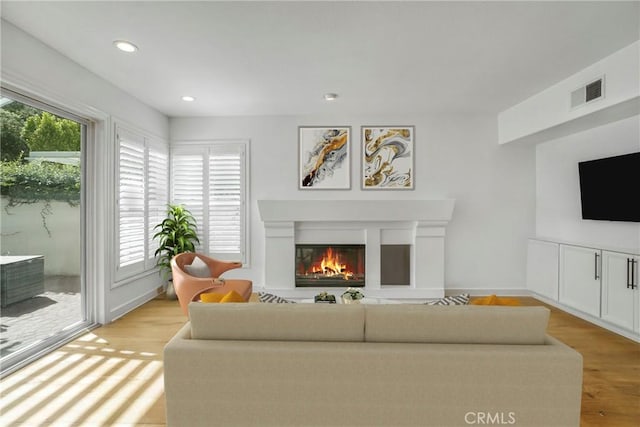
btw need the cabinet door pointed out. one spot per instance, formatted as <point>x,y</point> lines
<point>618,298</point>
<point>636,283</point>
<point>580,278</point>
<point>542,268</point>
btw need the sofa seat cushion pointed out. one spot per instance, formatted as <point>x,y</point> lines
<point>456,324</point>
<point>277,322</point>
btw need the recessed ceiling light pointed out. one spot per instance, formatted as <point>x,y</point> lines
<point>330,96</point>
<point>188,98</point>
<point>125,46</point>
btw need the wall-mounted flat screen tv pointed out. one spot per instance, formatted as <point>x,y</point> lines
<point>610,188</point>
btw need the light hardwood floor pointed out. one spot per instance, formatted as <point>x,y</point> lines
<point>113,374</point>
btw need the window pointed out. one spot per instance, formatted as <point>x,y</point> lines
<point>142,199</point>
<point>210,180</point>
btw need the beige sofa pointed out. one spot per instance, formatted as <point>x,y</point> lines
<point>373,365</point>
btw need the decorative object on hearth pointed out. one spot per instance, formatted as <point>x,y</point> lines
<point>352,296</point>
<point>324,161</point>
<point>325,298</point>
<point>387,157</point>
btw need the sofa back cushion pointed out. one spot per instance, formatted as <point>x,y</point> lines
<point>277,322</point>
<point>456,324</point>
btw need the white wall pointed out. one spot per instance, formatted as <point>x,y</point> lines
<point>558,213</point>
<point>24,233</point>
<point>456,156</point>
<point>31,66</point>
<point>550,110</point>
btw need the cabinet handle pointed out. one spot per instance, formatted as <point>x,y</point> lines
<point>595,266</point>
<point>633,273</point>
<point>629,270</point>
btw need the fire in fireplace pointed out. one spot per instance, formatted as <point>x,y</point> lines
<point>330,265</point>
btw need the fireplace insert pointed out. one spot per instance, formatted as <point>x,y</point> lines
<point>330,266</point>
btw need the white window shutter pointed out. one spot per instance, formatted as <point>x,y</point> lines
<point>131,200</point>
<point>226,202</point>
<point>157,191</point>
<point>188,185</point>
<point>210,179</point>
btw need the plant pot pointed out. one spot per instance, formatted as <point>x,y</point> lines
<point>170,292</point>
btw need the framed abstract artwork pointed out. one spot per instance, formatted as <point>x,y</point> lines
<point>387,157</point>
<point>324,159</point>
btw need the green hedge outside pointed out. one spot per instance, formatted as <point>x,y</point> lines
<point>42,181</point>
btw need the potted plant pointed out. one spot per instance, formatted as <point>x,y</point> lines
<point>177,233</point>
<point>352,296</point>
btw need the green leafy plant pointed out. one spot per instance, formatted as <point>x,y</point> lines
<point>177,234</point>
<point>353,294</point>
<point>26,183</point>
<point>39,182</point>
<point>46,132</point>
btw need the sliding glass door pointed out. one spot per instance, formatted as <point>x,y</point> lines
<point>43,295</point>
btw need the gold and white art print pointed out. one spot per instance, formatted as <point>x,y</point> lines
<point>324,161</point>
<point>387,157</point>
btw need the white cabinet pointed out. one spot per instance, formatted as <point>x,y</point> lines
<point>601,285</point>
<point>620,294</point>
<point>542,268</point>
<point>579,278</point>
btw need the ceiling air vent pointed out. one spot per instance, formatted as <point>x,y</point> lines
<point>587,93</point>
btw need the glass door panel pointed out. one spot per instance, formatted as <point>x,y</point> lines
<point>42,292</point>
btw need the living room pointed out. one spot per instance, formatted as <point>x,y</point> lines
<point>482,94</point>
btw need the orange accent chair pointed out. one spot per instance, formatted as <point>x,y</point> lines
<point>188,288</point>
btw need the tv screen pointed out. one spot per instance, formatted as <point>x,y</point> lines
<point>610,188</point>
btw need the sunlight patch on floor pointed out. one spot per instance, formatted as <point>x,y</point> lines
<point>88,383</point>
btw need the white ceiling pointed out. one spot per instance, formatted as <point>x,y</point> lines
<point>265,58</point>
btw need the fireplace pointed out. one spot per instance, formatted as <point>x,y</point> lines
<point>380,225</point>
<point>330,266</point>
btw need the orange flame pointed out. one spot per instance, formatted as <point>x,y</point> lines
<point>331,265</point>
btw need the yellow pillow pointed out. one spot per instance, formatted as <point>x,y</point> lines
<point>232,296</point>
<point>211,297</point>
<point>495,300</point>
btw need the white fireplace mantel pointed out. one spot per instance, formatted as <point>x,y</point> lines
<point>356,210</point>
<point>419,223</point>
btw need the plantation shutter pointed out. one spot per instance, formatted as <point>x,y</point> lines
<point>188,185</point>
<point>226,202</point>
<point>210,181</point>
<point>157,191</point>
<point>131,199</point>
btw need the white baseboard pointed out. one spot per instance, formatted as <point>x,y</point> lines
<point>123,309</point>
<point>589,318</point>
<point>474,292</point>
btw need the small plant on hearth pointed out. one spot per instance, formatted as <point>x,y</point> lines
<point>352,294</point>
